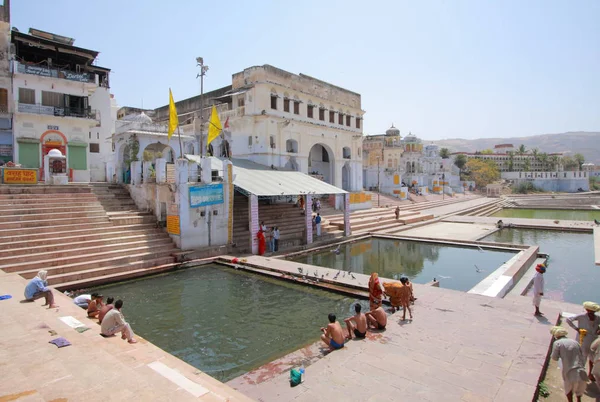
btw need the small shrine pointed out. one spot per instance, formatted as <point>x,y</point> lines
<point>55,168</point>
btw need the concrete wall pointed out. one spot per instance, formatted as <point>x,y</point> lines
<point>568,182</point>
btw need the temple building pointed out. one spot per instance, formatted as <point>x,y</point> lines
<point>284,121</point>
<point>392,163</point>
<point>61,102</point>
<point>509,159</point>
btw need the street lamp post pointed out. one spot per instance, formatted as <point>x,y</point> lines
<point>203,70</point>
<point>378,183</point>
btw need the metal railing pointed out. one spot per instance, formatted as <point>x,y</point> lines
<point>83,113</point>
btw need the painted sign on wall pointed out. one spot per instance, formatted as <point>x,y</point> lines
<point>201,196</point>
<point>173,224</point>
<point>19,176</point>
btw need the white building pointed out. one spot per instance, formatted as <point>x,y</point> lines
<point>62,102</point>
<point>284,120</point>
<point>6,107</point>
<point>392,163</point>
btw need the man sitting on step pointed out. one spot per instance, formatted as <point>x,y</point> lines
<point>38,288</point>
<point>114,322</point>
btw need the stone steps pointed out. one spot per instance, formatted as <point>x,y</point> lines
<point>53,222</point>
<point>46,243</point>
<point>49,216</point>
<point>13,256</point>
<point>95,260</point>
<point>19,235</point>
<point>101,277</point>
<point>80,234</point>
<point>45,210</point>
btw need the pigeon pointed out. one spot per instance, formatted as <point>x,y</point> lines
<point>327,274</point>
<point>343,276</point>
<point>300,269</point>
<point>337,250</point>
<point>336,275</point>
<point>353,277</point>
<point>597,222</point>
<point>477,268</point>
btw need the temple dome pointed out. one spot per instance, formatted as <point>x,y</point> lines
<point>392,131</point>
<point>55,153</point>
<point>140,118</point>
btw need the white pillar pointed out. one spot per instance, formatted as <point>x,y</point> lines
<point>146,171</point>
<point>181,171</point>
<point>347,230</point>
<point>206,170</point>
<point>253,222</point>
<point>308,216</point>
<point>161,170</point>
<point>229,193</point>
<point>47,169</point>
<point>136,172</point>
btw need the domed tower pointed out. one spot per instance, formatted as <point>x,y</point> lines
<point>392,137</point>
<point>412,144</point>
<point>392,132</point>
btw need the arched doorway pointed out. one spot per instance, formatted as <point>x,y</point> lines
<point>158,150</point>
<point>346,177</point>
<point>321,162</point>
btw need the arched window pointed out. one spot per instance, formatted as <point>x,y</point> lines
<point>291,146</point>
<point>346,153</point>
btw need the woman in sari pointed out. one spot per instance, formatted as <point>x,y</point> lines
<point>375,291</point>
<point>262,244</point>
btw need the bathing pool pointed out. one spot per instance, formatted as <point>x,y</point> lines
<point>555,214</point>
<point>226,322</point>
<point>453,266</point>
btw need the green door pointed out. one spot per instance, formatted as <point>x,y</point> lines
<point>77,157</point>
<point>29,155</point>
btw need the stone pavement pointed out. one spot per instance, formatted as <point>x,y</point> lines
<point>525,222</point>
<point>451,231</point>
<point>456,207</point>
<point>459,347</point>
<point>92,368</point>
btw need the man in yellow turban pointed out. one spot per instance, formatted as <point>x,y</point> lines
<point>573,364</point>
<point>590,322</point>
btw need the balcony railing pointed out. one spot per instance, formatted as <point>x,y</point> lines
<point>59,111</point>
<point>50,72</point>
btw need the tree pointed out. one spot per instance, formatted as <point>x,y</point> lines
<point>527,165</point>
<point>569,163</point>
<point>460,161</point>
<point>535,152</point>
<point>487,152</point>
<point>522,150</point>
<point>511,160</point>
<point>482,172</point>
<point>444,153</point>
<point>543,157</point>
<point>579,159</point>
<point>554,162</point>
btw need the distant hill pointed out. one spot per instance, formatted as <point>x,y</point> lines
<point>585,143</point>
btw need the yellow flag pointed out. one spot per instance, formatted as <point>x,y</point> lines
<point>214,126</point>
<point>173,119</point>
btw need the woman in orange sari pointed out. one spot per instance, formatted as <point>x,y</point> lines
<point>375,291</point>
<point>262,244</point>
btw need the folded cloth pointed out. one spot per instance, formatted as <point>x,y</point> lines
<point>60,342</point>
<point>5,297</point>
<point>81,329</point>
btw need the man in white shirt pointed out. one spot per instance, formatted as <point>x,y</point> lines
<point>276,236</point>
<point>114,322</point>
<point>590,322</point>
<point>573,370</point>
<point>83,301</point>
<point>538,288</point>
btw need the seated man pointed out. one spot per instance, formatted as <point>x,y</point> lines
<point>500,224</point>
<point>357,323</point>
<point>114,322</point>
<point>377,318</point>
<point>105,309</point>
<point>38,288</point>
<point>83,301</point>
<point>95,305</point>
<point>333,335</point>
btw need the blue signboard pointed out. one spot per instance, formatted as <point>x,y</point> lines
<point>201,196</point>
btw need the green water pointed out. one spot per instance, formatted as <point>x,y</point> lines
<point>559,214</point>
<point>572,275</point>
<point>226,322</point>
<point>453,266</point>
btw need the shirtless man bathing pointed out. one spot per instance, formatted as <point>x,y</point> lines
<point>377,318</point>
<point>357,323</point>
<point>333,335</point>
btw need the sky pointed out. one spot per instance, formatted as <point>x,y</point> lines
<point>439,69</point>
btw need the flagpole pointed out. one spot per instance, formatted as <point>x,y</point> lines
<point>180,146</point>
